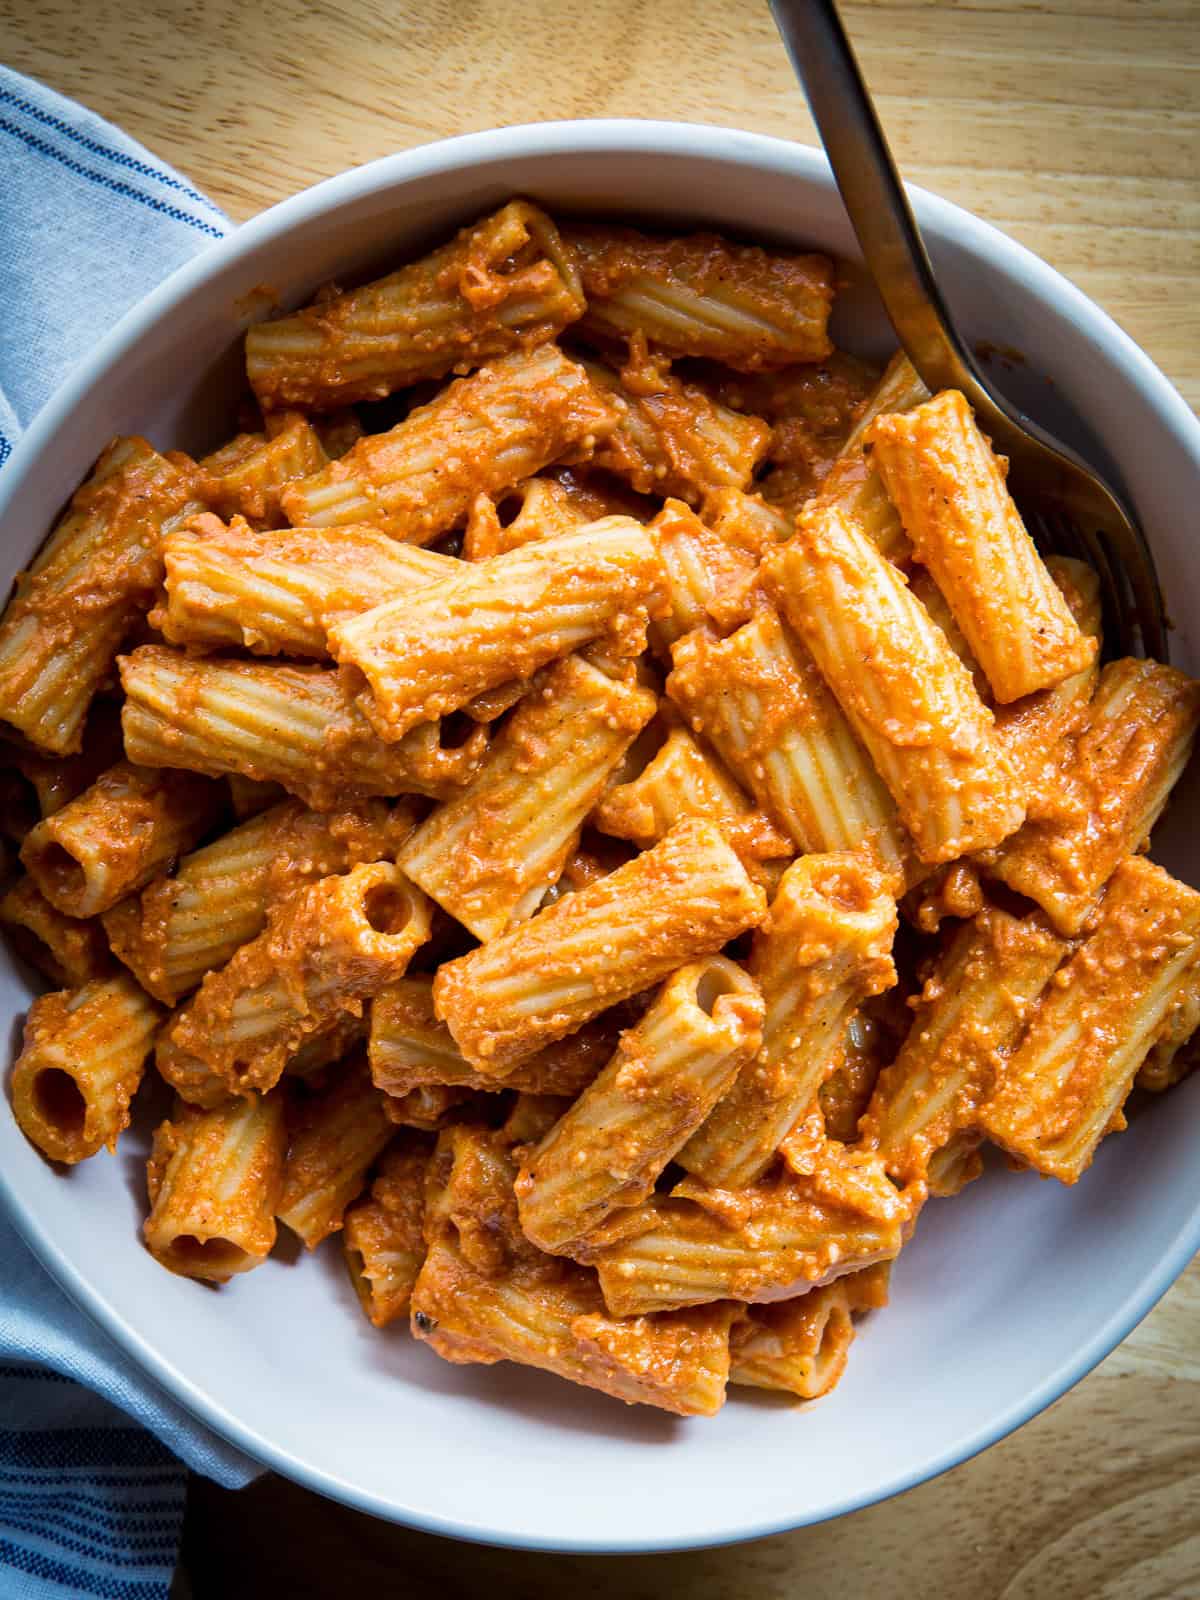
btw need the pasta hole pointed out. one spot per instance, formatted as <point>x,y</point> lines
<point>207,1255</point>
<point>714,983</point>
<point>387,908</point>
<point>509,509</point>
<point>59,1100</point>
<point>60,870</point>
<point>456,730</point>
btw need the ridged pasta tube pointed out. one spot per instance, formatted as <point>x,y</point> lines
<point>291,725</point>
<point>685,898</point>
<point>504,283</point>
<point>81,1061</point>
<point>825,946</point>
<point>606,1152</point>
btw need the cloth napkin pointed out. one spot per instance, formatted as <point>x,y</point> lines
<point>93,1454</point>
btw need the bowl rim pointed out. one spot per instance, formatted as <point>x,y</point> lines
<point>620,138</point>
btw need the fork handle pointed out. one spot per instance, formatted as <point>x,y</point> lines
<point>875,199</point>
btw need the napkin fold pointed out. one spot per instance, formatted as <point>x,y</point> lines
<point>93,1453</point>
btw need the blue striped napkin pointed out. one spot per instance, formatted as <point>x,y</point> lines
<point>93,1454</point>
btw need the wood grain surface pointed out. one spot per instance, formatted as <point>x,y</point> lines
<point>1073,126</point>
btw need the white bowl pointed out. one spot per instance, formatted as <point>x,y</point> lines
<point>1008,1294</point>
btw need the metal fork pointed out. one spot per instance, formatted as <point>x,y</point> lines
<point>1067,505</point>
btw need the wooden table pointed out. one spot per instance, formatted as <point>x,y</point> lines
<point>1076,128</point>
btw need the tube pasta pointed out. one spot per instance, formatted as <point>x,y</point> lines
<point>69,952</point>
<point>383,1238</point>
<point>759,699</point>
<point>337,1135</point>
<point>684,780</point>
<point>970,1016</point>
<point>676,440</point>
<point>1173,1055</point>
<point>709,578</point>
<point>291,725</point>
<point>80,1064</point>
<point>853,485</point>
<point>683,899</point>
<point>410,1049</point>
<point>489,855</point>
<point>801,1345</point>
<point>214,1179</point>
<point>607,1151</point>
<point>949,488</point>
<point>246,476</point>
<point>485,1294</point>
<point>1135,741</point>
<point>188,924</point>
<point>786,1234</point>
<point>494,621</point>
<point>702,296</point>
<point>1033,732</point>
<point>824,947</point>
<point>118,834</point>
<point>326,948</point>
<point>61,630</point>
<point>1063,1089</point>
<point>481,435</point>
<point>507,282</point>
<point>906,694</point>
<point>277,593</point>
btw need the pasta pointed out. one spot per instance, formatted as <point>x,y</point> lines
<point>1136,739</point>
<point>290,725</point>
<point>383,1237</point>
<point>824,946</point>
<point>481,435</point>
<point>1065,1085</point>
<point>214,1180</point>
<point>277,593</point>
<point>81,1061</point>
<point>611,832</point>
<point>701,296</point>
<point>187,923</point>
<point>489,855</point>
<point>336,1137</point>
<point>96,572</point>
<point>326,948</point>
<point>421,656</point>
<point>503,284</point>
<point>118,834</point>
<point>607,1150</point>
<point>906,694</point>
<point>802,1345</point>
<point>758,697</point>
<point>684,898</point>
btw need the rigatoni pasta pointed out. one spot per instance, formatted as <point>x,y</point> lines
<point>505,283</point>
<point>293,725</point>
<point>519,836</point>
<point>118,834</point>
<point>823,947</point>
<point>481,435</point>
<point>423,655</point>
<point>684,898</point>
<point>489,855</point>
<point>702,1029</point>
<point>81,1061</point>
<point>99,568</point>
<point>276,593</point>
<point>758,697</point>
<point>214,1179</point>
<point>948,486</point>
<point>905,692</point>
<point>1065,1085</point>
